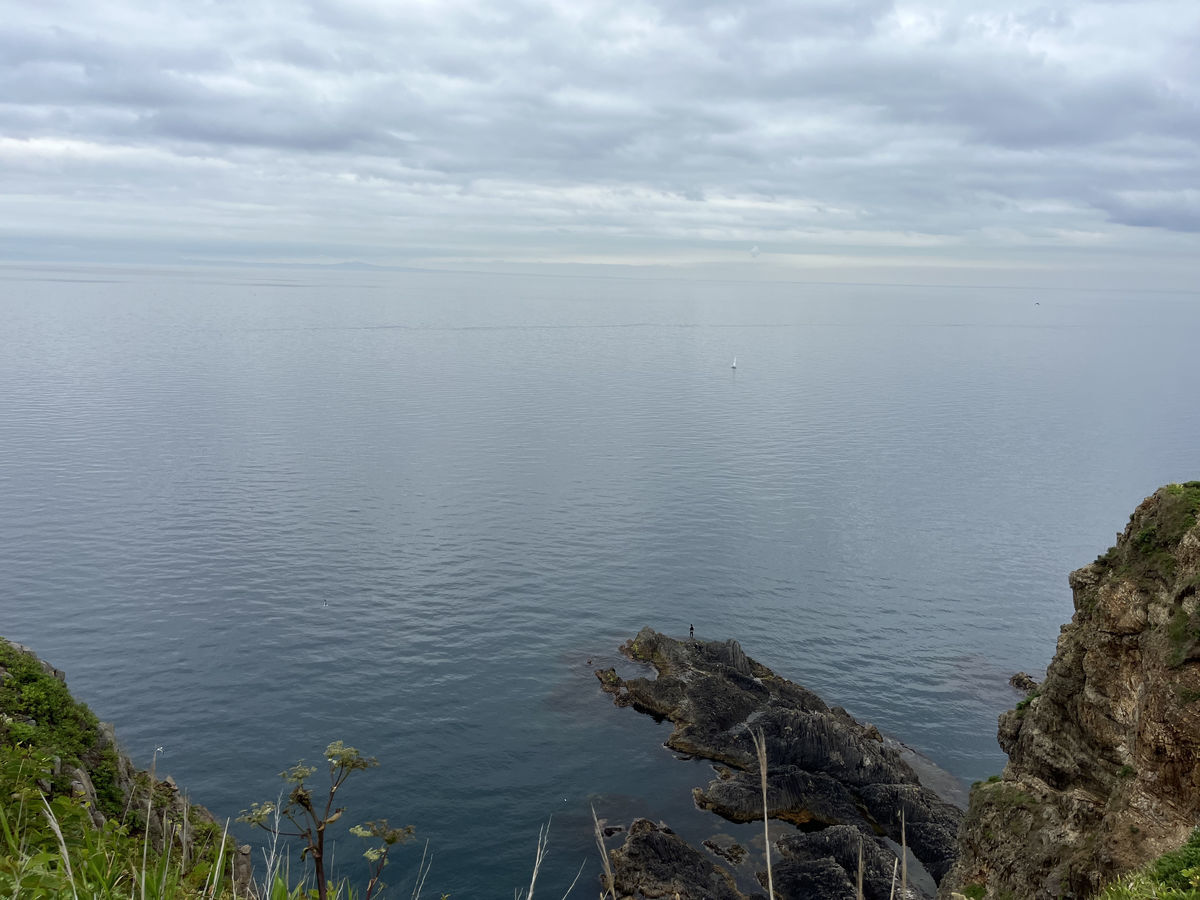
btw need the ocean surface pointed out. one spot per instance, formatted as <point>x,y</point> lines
<point>253,512</point>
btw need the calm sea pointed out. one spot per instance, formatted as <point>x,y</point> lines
<point>251,513</point>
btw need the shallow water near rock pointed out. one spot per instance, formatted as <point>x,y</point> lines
<point>251,513</point>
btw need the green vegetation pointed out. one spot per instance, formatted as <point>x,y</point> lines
<point>1183,630</point>
<point>1179,868</point>
<point>1004,802</point>
<point>974,891</point>
<point>1023,705</point>
<point>37,710</point>
<point>1173,876</point>
<point>1148,559</point>
<point>50,843</point>
<point>1008,796</point>
<point>50,849</point>
<point>1149,556</point>
<point>1186,695</point>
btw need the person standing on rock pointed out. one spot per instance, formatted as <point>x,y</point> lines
<point>691,631</point>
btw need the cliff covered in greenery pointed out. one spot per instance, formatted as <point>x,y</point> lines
<point>77,819</point>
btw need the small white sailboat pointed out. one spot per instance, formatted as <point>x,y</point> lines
<point>734,366</point>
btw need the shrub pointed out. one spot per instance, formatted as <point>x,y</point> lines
<point>1169,869</point>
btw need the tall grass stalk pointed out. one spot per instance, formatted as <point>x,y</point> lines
<point>165,859</point>
<point>858,885</point>
<point>538,857</point>
<point>62,844</point>
<point>760,748</point>
<point>149,812</point>
<point>574,881</point>
<point>212,882</point>
<point>422,872</point>
<point>610,889</point>
<point>271,856</point>
<point>183,839</point>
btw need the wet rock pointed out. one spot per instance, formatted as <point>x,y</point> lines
<point>729,850</point>
<point>826,771</point>
<point>803,798</point>
<point>1023,682</point>
<point>655,862</point>
<point>822,878</point>
<point>931,824</point>
<point>824,767</point>
<point>809,862</point>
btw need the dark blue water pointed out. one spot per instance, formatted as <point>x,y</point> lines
<point>493,480</point>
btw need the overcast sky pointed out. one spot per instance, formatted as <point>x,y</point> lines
<point>791,136</point>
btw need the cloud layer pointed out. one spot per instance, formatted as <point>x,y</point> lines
<point>678,129</point>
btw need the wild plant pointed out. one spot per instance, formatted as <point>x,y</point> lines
<point>308,818</point>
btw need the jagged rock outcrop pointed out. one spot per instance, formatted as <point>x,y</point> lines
<point>825,864</point>
<point>656,862</point>
<point>825,769</point>
<point>1104,755</point>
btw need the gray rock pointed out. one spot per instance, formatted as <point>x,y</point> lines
<point>803,798</point>
<point>819,878</point>
<point>1023,682</point>
<point>824,768</point>
<point>655,862</point>
<point>809,855</point>
<point>82,787</point>
<point>931,824</point>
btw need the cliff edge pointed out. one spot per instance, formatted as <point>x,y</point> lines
<point>54,750</point>
<point>1104,755</point>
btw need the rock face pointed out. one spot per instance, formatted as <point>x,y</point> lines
<point>825,864</point>
<point>656,862</point>
<point>1104,755</point>
<point>826,771</point>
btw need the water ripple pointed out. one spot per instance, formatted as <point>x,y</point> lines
<point>248,519</point>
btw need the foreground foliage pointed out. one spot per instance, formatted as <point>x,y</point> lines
<point>53,843</point>
<point>1173,876</point>
<point>308,819</point>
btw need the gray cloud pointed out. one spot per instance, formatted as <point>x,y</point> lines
<point>499,127</point>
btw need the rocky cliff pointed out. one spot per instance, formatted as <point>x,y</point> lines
<point>40,720</point>
<point>1104,755</point>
